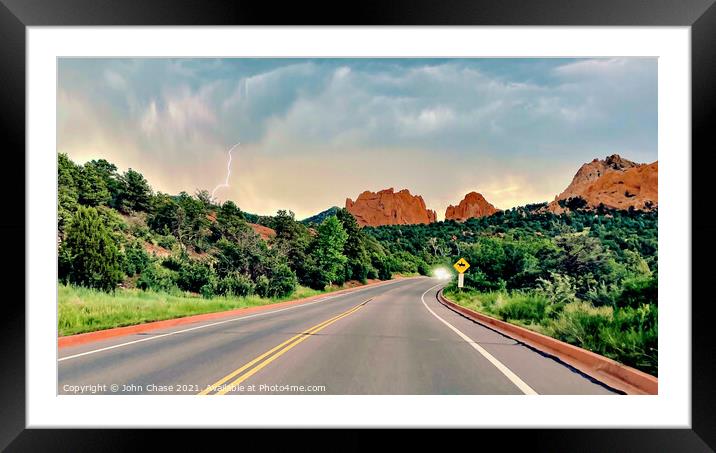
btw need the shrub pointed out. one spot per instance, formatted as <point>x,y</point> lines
<point>372,273</point>
<point>477,279</point>
<point>235,285</point>
<point>358,271</point>
<point>166,241</point>
<point>559,290</point>
<point>207,291</point>
<point>135,259</point>
<point>157,278</point>
<point>140,231</point>
<point>193,276</point>
<point>632,338</point>
<point>380,263</point>
<point>604,295</point>
<point>91,252</point>
<point>423,268</point>
<point>638,291</point>
<point>282,281</point>
<point>579,323</point>
<point>523,307</point>
<point>173,263</point>
<point>262,286</point>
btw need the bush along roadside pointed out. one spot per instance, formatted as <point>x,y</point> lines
<point>625,333</point>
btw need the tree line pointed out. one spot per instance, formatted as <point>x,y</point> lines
<point>107,221</point>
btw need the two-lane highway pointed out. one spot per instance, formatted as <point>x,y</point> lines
<point>394,338</point>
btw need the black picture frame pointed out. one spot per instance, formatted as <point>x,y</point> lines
<point>700,15</point>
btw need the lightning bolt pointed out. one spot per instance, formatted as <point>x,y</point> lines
<point>228,173</point>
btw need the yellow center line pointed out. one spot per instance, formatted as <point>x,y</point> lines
<point>288,344</point>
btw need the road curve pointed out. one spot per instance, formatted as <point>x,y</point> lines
<point>389,339</point>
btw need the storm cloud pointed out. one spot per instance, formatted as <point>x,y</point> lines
<point>315,131</point>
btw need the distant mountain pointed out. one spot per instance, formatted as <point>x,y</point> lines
<point>321,216</point>
<point>615,182</point>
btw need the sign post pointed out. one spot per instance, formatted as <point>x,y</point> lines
<point>461,266</point>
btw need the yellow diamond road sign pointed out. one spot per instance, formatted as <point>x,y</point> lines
<point>461,266</point>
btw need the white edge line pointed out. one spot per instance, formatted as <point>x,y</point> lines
<point>526,389</point>
<point>155,337</point>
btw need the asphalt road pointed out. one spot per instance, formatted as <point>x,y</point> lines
<point>390,339</point>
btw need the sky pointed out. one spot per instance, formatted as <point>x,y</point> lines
<point>314,132</point>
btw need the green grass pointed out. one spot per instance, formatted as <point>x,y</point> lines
<point>627,335</point>
<point>86,310</point>
<point>487,303</point>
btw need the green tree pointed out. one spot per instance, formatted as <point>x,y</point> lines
<point>68,175</point>
<point>327,249</point>
<point>108,172</point>
<point>93,190</point>
<point>92,253</point>
<point>245,254</point>
<point>229,224</point>
<point>291,242</point>
<point>581,254</point>
<point>163,217</point>
<point>354,249</point>
<point>135,193</point>
<point>193,223</point>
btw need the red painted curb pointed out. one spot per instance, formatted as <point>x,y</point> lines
<point>608,371</point>
<point>90,337</point>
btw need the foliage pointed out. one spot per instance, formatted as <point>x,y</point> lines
<point>282,281</point>
<point>559,290</point>
<point>235,284</point>
<point>92,254</point>
<point>327,251</point>
<point>135,259</point>
<point>523,307</point>
<point>156,277</point>
<point>92,186</point>
<point>589,276</point>
<point>135,193</point>
<point>194,275</point>
<point>358,260</point>
<point>68,175</point>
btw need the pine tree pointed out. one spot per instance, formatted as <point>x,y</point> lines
<point>93,189</point>
<point>135,194</point>
<point>94,257</point>
<point>354,248</point>
<point>68,175</point>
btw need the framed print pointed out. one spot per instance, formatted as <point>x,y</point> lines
<point>385,223</point>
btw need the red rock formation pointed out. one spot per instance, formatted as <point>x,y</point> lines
<point>615,182</point>
<point>473,205</point>
<point>389,208</point>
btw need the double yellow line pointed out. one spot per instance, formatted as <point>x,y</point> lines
<point>218,387</point>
